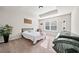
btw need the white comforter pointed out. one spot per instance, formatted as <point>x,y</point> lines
<point>34,36</point>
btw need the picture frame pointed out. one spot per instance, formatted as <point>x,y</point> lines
<point>28,21</point>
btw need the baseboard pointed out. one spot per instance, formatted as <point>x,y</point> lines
<point>13,37</point>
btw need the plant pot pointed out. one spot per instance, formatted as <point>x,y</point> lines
<point>6,38</point>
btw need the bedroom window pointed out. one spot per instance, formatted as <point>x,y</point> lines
<point>47,26</point>
<point>51,25</point>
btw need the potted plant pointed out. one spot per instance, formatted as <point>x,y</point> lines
<point>5,31</point>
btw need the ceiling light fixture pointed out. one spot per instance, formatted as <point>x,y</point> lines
<point>40,6</point>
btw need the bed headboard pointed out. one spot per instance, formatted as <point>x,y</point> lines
<point>27,29</point>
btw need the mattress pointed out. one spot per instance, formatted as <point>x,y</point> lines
<point>34,36</point>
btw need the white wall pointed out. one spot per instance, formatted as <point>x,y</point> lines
<point>74,16</point>
<point>75,21</point>
<point>15,17</point>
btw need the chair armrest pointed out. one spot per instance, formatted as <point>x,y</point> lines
<point>69,37</point>
<point>67,41</point>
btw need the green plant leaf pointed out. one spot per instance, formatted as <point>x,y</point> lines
<point>5,30</point>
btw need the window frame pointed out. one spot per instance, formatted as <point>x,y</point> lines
<point>50,25</point>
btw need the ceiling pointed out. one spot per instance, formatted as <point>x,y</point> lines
<point>27,9</point>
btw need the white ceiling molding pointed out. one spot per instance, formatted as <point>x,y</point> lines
<point>55,15</point>
<point>48,13</point>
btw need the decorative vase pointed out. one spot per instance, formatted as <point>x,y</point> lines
<point>6,38</point>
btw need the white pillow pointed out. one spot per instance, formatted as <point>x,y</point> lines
<point>30,31</point>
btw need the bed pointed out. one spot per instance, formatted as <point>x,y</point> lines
<point>34,36</point>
